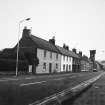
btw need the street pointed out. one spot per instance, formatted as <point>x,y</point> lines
<point>28,89</point>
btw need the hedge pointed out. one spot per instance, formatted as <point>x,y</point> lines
<point>10,65</point>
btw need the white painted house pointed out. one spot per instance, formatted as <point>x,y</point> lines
<point>49,61</point>
<point>66,60</point>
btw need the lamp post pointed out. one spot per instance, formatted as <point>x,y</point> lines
<point>17,59</point>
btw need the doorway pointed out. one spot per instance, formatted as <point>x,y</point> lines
<point>50,67</point>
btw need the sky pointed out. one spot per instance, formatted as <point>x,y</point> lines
<point>77,23</point>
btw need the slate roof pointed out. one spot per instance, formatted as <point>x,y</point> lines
<point>43,44</point>
<point>31,41</point>
<point>67,52</point>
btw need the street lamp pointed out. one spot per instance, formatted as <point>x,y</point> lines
<point>18,44</point>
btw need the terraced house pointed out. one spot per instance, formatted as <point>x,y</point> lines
<point>50,57</point>
<point>45,51</point>
<point>67,59</point>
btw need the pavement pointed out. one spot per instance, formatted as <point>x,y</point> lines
<point>95,95</point>
<point>24,90</point>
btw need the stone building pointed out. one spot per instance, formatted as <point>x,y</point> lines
<point>43,56</point>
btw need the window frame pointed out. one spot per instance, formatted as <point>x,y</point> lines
<point>63,58</point>
<point>44,66</point>
<point>63,67</point>
<point>67,58</point>
<point>69,67</point>
<point>51,55</point>
<point>45,53</point>
<point>56,65</point>
<point>66,67</point>
<point>56,56</point>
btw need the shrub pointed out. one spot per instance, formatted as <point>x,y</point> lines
<point>10,65</point>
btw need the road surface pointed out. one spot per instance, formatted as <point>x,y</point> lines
<point>28,89</point>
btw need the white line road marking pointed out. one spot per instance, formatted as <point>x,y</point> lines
<point>59,78</point>
<point>30,78</point>
<point>10,79</point>
<point>32,83</point>
<point>7,79</point>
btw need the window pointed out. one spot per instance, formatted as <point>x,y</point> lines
<point>73,61</point>
<point>64,58</point>
<point>67,58</point>
<point>50,54</point>
<point>69,67</point>
<point>45,53</point>
<point>56,55</point>
<point>44,66</point>
<point>64,67</point>
<point>56,66</point>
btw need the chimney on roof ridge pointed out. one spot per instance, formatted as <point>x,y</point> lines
<point>52,41</point>
<point>65,46</point>
<point>26,32</point>
<point>74,50</point>
<point>80,53</point>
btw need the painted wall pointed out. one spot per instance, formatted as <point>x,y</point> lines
<point>65,60</point>
<point>41,69</point>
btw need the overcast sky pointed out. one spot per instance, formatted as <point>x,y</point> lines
<point>78,23</point>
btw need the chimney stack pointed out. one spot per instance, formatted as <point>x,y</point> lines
<point>52,41</point>
<point>65,46</point>
<point>26,32</point>
<point>74,50</point>
<point>80,53</point>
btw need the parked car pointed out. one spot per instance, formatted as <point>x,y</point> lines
<point>94,70</point>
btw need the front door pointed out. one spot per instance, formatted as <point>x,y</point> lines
<point>30,68</point>
<point>50,67</point>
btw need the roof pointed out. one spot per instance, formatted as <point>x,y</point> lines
<point>43,44</point>
<point>67,52</point>
<point>29,40</point>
